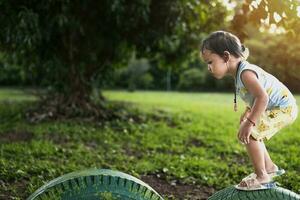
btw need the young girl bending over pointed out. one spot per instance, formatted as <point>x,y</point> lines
<point>271,106</point>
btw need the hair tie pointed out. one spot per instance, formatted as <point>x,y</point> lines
<point>243,48</point>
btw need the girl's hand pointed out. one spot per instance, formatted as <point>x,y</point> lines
<point>245,115</point>
<point>245,131</point>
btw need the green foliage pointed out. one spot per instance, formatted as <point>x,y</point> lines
<point>135,76</point>
<point>68,45</point>
<point>11,74</point>
<point>257,14</point>
<point>199,80</point>
<point>191,79</point>
<point>279,55</point>
<point>146,81</point>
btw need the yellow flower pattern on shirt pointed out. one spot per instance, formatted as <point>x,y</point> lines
<point>273,113</point>
<point>269,91</point>
<point>284,93</point>
<point>271,121</point>
<point>243,90</point>
<point>263,127</point>
<point>287,110</point>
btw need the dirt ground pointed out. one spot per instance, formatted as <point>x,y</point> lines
<point>177,190</point>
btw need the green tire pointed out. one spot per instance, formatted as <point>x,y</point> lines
<point>277,193</point>
<point>100,184</point>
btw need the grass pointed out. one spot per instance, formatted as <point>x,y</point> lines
<point>192,140</point>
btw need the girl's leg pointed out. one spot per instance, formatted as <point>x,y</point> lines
<point>256,152</point>
<point>270,166</point>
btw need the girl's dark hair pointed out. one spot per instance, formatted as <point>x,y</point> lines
<point>220,41</point>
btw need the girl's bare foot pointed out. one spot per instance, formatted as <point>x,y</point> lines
<point>272,169</point>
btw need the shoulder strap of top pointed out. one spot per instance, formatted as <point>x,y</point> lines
<point>247,66</point>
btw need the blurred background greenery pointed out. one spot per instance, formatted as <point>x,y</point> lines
<point>72,47</point>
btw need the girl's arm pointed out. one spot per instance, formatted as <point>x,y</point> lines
<point>245,114</point>
<point>250,81</point>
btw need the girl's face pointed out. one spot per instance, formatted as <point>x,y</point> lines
<point>216,65</point>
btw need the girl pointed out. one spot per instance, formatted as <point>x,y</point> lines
<point>271,106</point>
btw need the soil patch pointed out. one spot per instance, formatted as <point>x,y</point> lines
<point>16,136</point>
<point>178,190</point>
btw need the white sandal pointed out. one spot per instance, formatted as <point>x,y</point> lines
<point>274,174</point>
<point>253,184</point>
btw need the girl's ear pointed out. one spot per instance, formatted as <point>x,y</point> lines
<point>226,56</point>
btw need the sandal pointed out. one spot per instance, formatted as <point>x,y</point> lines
<point>253,184</point>
<point>274,174</point>
<point>279,172</point>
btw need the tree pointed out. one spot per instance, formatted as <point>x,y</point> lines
<point>265,13</point>
<point>69,44</point>
<point>279,55</point>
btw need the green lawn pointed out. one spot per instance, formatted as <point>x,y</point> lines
<point>185,137</point>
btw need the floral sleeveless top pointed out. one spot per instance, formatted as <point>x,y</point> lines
<point>279,94</point>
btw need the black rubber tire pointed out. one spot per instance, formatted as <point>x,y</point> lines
<point>277,193</point>
<point>100,184</point>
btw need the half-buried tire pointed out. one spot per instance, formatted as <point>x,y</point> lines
<point>277,193</point>
<point>100,184</point>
